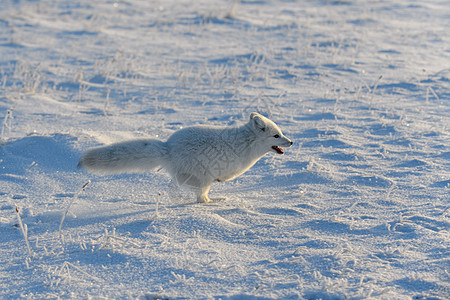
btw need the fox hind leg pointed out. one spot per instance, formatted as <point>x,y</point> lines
<point>195,184</point>
<point>202,194</point>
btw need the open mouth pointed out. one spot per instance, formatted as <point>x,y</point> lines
<point>278,149</point>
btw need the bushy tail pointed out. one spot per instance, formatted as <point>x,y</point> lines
<point>126,157</point>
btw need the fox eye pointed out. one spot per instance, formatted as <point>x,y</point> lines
<point>276,136</point>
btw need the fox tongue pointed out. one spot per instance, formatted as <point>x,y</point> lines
<point>278,149</point>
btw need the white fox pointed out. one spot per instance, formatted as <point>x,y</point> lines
<point>194,156</point>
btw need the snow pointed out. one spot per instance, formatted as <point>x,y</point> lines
<point>358,208</point>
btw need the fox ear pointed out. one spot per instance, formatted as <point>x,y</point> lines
<point>258,122</point>
<point>254,114</point>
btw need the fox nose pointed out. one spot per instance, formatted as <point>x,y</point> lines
<point>291,142</point>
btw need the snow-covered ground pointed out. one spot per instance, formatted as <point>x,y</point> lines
<point>358,208</point>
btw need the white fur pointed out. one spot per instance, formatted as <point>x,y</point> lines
<point>194,156</point>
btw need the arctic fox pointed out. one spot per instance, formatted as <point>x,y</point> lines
<point>194,156</point>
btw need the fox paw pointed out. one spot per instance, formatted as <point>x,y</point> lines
<point>203,199</point>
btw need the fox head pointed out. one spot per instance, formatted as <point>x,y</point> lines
<point>268,134</point>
